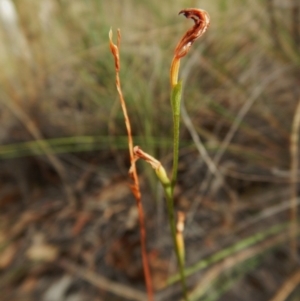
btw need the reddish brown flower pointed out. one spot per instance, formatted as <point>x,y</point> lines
<point>202,20</point>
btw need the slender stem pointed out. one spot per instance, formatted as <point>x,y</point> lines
<point>170,206</point>
<point>136,191</point>
<point>135,187</point>
<point>201,20</point>
<point>169,190</point>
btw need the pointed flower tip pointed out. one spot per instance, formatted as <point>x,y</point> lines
<point>111,43</point>
<point>140,154</point>
<point>115,48</point>
<point>194,13</point>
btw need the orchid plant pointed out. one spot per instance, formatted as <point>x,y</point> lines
<point>201,23</point>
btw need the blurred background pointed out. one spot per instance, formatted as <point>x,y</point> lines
<point>68,221</point>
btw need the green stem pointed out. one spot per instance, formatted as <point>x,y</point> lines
<point>170,206</point>
<point>169,190</point>
<point>175,102</point>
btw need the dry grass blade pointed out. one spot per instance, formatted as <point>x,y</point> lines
<point>287,287</point>
<point>295,22</point>
<point>44,146</point>
<point>135,187</point>
<point>229,262</point>
<point>212,167</point>
<point>249,102</point>
<point>103,283</point>
<point>293,179</point>
<point>273,24</point>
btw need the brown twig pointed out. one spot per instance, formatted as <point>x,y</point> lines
<point>295,23</point>
<point>34,131</point>
<point>273,24</point>
<point>102,282</point>
<point>287,287</point>
<point>135,187</point>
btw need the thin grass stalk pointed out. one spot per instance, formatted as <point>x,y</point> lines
<point>287,287</point>
<point>135,187</point>
<point>230,262</point>
<point>172,222</point>
<point>120,290</point>
<point>273,24</point>
<point>230,251</point>
<point>70,144</point>
<point>42,144</point>
<point>293,179</point>
<point>295,23</point>
<point>225,282</point>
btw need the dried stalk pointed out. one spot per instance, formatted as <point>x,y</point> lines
<point>273,24</point>
<point>287,287</point>
<point>102,282</point>
<point>135,187</point>
<point>34,131</point>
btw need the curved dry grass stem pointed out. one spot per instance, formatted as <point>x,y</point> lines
<point>233,260</point>
<point>135,187</point>
<point>34,131</point>
<point>99,281</point>
<point>287,287</point>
